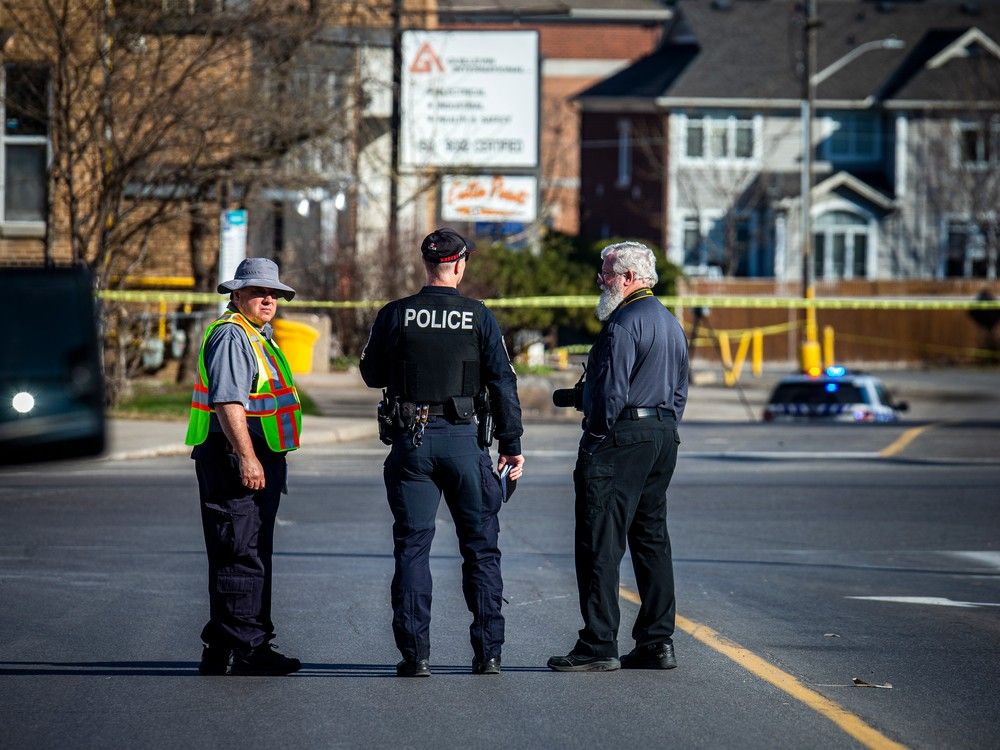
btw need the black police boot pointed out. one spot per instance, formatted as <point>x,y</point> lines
<point>216,660</point>
<point>264,660</point>
<point>486,666</point>
<point>652,656</point>
<point>413,668</point>
<point>582,663</point>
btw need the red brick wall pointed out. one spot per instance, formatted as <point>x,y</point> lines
<point>560,120</point>
<point>583,41</point>
<point>633,210</point>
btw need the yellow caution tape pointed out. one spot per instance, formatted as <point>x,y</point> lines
<point>761,303</point>
<point>946,348</point>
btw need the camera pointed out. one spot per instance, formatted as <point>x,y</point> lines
<point>566,397</point>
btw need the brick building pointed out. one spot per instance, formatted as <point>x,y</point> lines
<point>581,42</point>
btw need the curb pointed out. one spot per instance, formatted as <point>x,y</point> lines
<point>345,434</point>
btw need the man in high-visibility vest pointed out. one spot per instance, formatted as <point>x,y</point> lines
<point>245,416</point>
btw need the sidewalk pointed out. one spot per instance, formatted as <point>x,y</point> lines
<point>145,438</point>
<point>344,395</point>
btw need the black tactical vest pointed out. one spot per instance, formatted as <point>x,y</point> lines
<point>438,347</point>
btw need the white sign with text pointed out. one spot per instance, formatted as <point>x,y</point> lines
<point>469,98</point>
<point>499,198</point>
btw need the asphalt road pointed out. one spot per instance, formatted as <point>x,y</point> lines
<point>776,531</point>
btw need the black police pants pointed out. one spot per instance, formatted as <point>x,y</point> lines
<point>448,461</point>
<point>239,539</point>
<point>621,495</point>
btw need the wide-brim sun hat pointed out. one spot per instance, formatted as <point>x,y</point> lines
<point>262,272</point>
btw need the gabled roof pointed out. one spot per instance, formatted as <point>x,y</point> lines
<point>856,185</point>
<point>744,51</point>
<point>784,187</point>
<point>648,76</point>
<point>948,65</point>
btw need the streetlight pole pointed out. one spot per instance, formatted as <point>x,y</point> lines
<point>810,357</point>
<point>809,352</point>
<point>392,249</point>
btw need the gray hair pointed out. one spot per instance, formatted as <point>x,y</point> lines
<point>635,257</point>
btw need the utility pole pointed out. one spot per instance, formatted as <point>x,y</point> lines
<point>392,260</point>
<point>809,353</point>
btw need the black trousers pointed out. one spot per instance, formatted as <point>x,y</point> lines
<point>621,495</point>
<point>449,461</point>
<point>239,539</point>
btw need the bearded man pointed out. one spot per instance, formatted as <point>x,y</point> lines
<point>633,401</point>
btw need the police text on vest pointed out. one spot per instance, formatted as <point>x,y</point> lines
<point>453,319</point>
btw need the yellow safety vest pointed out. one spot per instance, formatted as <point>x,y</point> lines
<point>274,401</point>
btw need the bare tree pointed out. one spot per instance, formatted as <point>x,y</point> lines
<point>735,190</point>
<point>953,158</point>
<point>159,113</point>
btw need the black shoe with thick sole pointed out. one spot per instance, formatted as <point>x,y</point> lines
<point>264,661</point>
<point>486,666</point>
<point>413,668</point>
<point>216,660</point>
<point>582,663</point>
<point>653,656</point>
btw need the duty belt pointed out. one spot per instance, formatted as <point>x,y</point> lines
<point>641,412</point>
<point>433,410</point>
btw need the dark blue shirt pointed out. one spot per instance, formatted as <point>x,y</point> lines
<point>378,362</point>
<point>639,359</point>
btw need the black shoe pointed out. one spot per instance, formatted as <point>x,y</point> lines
<point>581,663</point>
<point>264,660</point>
<point>413,668</point>
<point>486,666</point>
<point>653,656</point>
<point>216,660</point>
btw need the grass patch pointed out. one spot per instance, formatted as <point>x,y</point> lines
<point>344,362</point>
<point>532,369</point>
<point>155,399</point>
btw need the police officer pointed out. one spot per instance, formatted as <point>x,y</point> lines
<point>438,354</point>
<point>633,399</point>
<point>245,416</point>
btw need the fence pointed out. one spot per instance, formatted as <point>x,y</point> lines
<point>925,332</point>
<point>874,321</point>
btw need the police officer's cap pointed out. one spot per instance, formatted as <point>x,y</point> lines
<point>445,246</point>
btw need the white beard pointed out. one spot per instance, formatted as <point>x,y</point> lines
<point>609,301</point>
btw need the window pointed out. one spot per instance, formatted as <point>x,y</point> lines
<point>25,143</point>
<point>692,241</point>
<point>744,139</point>
<point>624,153</point>
<point>853,137</point>
<point>840,246</point>
<point>695,138</point>
<point>703,238</point>
<point>977,143</point>
<point>720,138</point>
<point>965,250</point>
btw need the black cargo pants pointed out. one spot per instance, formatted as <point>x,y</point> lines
<point>239,539</point>
<point>448,461</point>
<point>621,495</point>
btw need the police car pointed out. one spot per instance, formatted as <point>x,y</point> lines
<point>834,396</point>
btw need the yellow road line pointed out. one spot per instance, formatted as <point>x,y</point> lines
<point>848,722</point>
<point>899,444</point>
